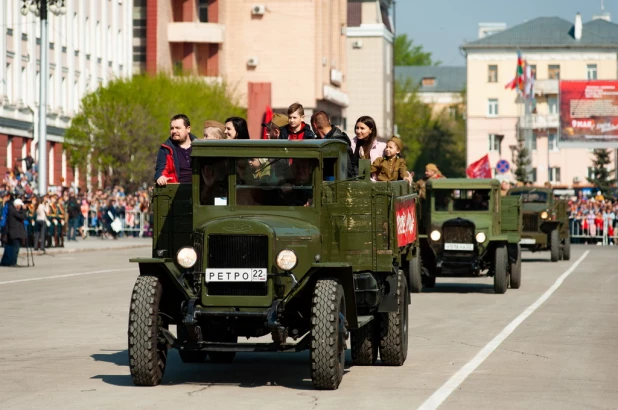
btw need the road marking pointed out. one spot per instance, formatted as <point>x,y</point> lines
<point>68,275</point>
<point>462,374</point>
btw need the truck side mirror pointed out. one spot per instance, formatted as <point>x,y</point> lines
<point>364,169</point>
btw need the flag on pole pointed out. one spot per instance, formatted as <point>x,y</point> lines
<point>529,83</point>
<point>480,168</point>
<point>518,81</point>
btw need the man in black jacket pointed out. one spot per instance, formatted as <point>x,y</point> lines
<point>16,232</point>
<point>324,129</point>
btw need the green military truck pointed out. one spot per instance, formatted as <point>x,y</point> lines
<point>545,222</point>
<point>272,239</point>
<point>468,230</point>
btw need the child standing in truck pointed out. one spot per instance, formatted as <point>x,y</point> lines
<point>391,167</point>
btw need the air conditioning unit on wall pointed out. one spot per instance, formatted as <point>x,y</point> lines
<point>357,44</point>
<point>252,62</point>
<point>258,10</point>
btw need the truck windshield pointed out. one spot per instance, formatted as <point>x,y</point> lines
<point>530,196</point>
<point>461,200</point>
<point>259,181</point>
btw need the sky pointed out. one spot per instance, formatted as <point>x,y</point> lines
<point>442,26</point>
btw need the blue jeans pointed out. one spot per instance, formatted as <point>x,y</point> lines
<point>73,227</point>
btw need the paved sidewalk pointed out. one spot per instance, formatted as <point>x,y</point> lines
<point>91,244</point>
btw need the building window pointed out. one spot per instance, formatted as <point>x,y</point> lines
<point>495,143</point>
<point>553,141</point>
<point>554,174</point>
<point>553,72</point>
<point>453,112</point>
<point>492,107</point>
<point>591,70</point>
<point>533,175</point>
<point>428,82</point>
<point>552,105</point>
<point>533,70</point>
<point>492,73</point>
<point>531,142</point>
<point>202,10</point>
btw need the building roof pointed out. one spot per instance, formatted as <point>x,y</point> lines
<point>447,79</point>
<point>550,32</point>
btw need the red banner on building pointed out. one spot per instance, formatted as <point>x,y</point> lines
<point>405,209</point>
<point>480,168</point>
<point>589,113</point>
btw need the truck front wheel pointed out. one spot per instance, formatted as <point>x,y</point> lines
<point>500,269</point>
<point>554,245</point>
<point>147,345</point>
<point>394,328</point>
<point>515,277</point>
<point>415,274</point>
<point>328,334</point>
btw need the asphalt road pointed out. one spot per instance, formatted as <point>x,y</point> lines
<point>63,337</point>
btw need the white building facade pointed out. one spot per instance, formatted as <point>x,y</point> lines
<point>89,45</point>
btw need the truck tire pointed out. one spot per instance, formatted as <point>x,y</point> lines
<point>364,342</point>
<point>394,328</point>
<point>515,277</point>
<point>554,245</point>
<point>566,248</point>
<point>147,347</point>
<point>189,356</point>
<point>500,269</point>
<point>221,336</point>
<point>415,274</point>
<point>328,334</point>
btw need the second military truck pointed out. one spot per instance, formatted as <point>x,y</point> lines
<point>469,230</point>
<point>272,239</point>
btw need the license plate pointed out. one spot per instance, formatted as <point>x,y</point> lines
<point>527,241</point>
<point>459,246</point>
<point>236,275</point>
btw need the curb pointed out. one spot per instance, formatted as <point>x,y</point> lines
<point>61,251</point>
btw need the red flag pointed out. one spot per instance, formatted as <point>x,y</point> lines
<point>480,168</point>
<point>268,117</point>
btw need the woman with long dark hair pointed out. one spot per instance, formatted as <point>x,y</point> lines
<point>236,129</point>
<point>365,144</point>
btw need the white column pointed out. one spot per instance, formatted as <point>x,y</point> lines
<point>16,67</point>
<point>57,98</point>
<point>70,16</point>
<point>3,46</point>
<point>104,41</point>
<point>128,38</point>
<point>50,168</point>
<point>115,40</point>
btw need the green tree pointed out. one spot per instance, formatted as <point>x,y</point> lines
<point>440,139</point>
<point>121,126</point>
<point>602,175</point>
<point>522,160</point>
<point>406,53</point>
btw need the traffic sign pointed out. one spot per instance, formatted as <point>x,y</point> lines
<point>503,166</point>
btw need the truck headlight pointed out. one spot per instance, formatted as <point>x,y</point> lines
<point>480,237</point>
<point>544,215</point>
<point>186,257</point>
<point>435,236</point>
<point>287,260</point>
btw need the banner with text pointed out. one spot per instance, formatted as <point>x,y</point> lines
<point>589,114</point>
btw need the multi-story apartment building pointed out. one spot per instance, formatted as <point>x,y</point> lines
<point>370,72</point>
<point>556,50</point>
<point>272,53</point>
<point>88,46</point>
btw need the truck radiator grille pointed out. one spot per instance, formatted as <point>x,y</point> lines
<point>237,251</point>
<point>531,222</point>
<point>458,234</point>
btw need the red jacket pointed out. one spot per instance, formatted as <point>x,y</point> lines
<point>170,169</point>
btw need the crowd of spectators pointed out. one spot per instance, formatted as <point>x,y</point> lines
<point>592,218</point>
<point>104,213</point>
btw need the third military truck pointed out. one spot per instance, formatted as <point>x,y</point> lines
<point>271,239</point>
<point>545,222</point>
<point>468,230</point>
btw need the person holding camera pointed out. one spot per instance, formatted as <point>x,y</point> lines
<point>15,232</point>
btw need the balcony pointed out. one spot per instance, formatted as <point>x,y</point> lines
<point>537,121</point>
<point>545,87</point>
<point>193,32</point>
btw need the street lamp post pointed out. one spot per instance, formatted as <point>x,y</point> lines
<point>39,8</point>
